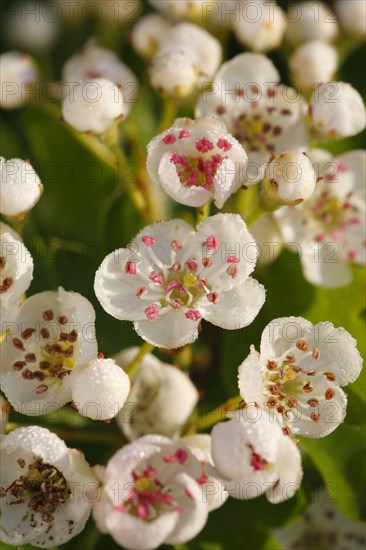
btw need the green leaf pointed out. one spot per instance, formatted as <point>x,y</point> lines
<point>339,459</point>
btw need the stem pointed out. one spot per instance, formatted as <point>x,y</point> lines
<point>216,415</point>
<point>123,170</point>
<point>168,115</point>
<point>203,212</point>
<point>145,348</point>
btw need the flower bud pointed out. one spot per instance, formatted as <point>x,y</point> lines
<point>93,106</point>
<point>264,32</point>
<point>352,16</point>
<point>337,110</point>
<point>181,9</point>
<point>188,57</point>
<point>17,73</point>
<point>149,33</point>
<point>313,62</point>
<point>310,21</point>
<point>20,187</point>
<point>289,179</point>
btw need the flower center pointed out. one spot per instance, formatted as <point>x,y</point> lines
<point>49,355</point>
<point>288,383</point>
<point>44,485</point>
<point>255,131</point>
<point>197,171</point>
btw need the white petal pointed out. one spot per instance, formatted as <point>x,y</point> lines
<point>323,266</point>
<point>234,240</point>
<point>338,351</point>
<point>356,164</point>
<point>194,513</point>
<point>20,187</point>
<point>250,380</point>
<point>134,533</point>
<point>99,389</point>
<point>171,330</point>
<point>267,236</point>
<point>236,307</point>
<point>40,442</point>
<point>288,466</point>
<point>281,334</point>
<point>19,267</point>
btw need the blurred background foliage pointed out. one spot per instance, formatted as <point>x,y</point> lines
<point>85,213</point>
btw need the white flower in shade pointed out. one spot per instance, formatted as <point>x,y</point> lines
<point>310,21</point>
<point>53,334</point>
<point>16,273</point>
<point>330,226</point>
<point>268,238</point>
<point>18,74</point>
<point>322,526</point>
<point>337,110</point>
<point>151,495</point>
<point>161,399</point>
<point>298,373</point>
<point>172,276</point>
<point>288,179</point>
<point>31,27</point>
<point>20,188</point>
<point>196,160</point>
<point>94,63</point>
<point>149,33</point>
<point>187,57</point>
<point>44,489</point>
<point>313,62</point>
<point>263,32</point>
<point>352,16</point>
<point>265,117</point>
<point>254,457</point>
<point>99,389</point>
<point>213,490</point>
<point>93,106</point>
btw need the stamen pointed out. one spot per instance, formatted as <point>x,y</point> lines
<point>48,315</point>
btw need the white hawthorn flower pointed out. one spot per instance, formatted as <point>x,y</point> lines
<point>93,106</point>
<point>152,495</point>
<point>94,62</point>
<point>187,57</point>
<point>18,74</point>
<point>161,400</point>
<point>264,116</point>
<point>313,62</point>
<point>352,16</point>
<point>149,33</point>
<point>172,276</point>
<point>288,179</point>
<point>20,187</point>
<point>253,457</point>
<point>265,31</point>
<point>213,490</point>
<point>298,373</point>
<point>196,160</point>
<point>310,21</point>
<point>53,334</point>
<point>330,226</point>
<point>16,273</point>
<point>337,110</point>
<point>44,489</point>
<point>322,526</point>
